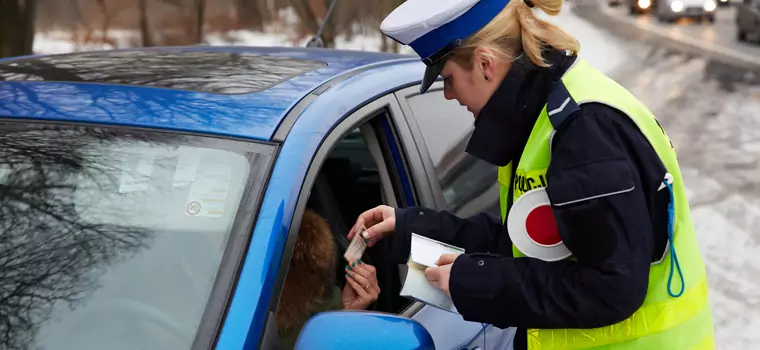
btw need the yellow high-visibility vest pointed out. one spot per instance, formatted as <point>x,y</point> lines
<point>664,321</point>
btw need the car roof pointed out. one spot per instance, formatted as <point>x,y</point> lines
<point>224,90</point>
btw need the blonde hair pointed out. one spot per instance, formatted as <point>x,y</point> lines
<point>517,29</point>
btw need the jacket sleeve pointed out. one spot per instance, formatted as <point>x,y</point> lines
<point>478,233</point>
<point>598,191</point>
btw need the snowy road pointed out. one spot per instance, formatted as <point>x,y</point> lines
<point>718,41</point>
<point>719,36</point>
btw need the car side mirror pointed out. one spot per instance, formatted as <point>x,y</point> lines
<point>363,330</point>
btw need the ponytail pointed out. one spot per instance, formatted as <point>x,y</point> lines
<point>536,32</point>
<point>517,29</point>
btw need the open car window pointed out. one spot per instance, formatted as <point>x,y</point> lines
<point>349,182</point>
<point>112,238</point>
<point>358,166</point>
<point>469,184</point>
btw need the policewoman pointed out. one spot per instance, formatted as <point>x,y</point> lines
<point>633,276</point>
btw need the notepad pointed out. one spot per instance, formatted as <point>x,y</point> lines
<point>424,253</point>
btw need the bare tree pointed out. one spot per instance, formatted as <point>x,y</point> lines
<point>105,24</point>
<point>390,5</point>
<point>253,14</point>
<point>190,15</point>
<point>107,14</point>
<point>200,10</point>
<point>312,13</point>
<point>146,37</point>
<point>17,27</point>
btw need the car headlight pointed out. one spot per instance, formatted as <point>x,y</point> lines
<point>710,5</point>
<point>645,3</point>
<point>676,6</point>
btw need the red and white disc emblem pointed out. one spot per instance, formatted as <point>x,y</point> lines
<point>533,228</point>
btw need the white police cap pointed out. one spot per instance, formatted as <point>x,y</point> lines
<point>432,28</point>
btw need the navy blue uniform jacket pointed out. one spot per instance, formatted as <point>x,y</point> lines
<point>614,237</point>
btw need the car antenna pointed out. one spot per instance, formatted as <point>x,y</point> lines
<point>317,40</point>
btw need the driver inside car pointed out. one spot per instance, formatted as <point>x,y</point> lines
<point>310,284</point>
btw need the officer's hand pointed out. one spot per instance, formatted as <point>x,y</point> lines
<point>439,275</point>
<point>379,221</point>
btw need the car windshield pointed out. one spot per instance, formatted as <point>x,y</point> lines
<point>112,238</point>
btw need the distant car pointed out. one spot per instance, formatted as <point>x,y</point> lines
<point>614,3</point>
<point>748,20</point>
<point>637,7</point>
<point>672,10</point>
<point>151,198</point>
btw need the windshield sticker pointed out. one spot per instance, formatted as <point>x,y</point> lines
<point>187,167</point>
<point>5,175</point>
<point>208,194</point>
<point>136,172</point>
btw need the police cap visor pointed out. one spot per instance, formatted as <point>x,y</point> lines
<point>431,74</point>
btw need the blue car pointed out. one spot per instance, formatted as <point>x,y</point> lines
<point>149,197</point>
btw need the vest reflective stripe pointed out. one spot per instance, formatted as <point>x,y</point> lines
<point>709,342</point>
<point>643,330</point>
<point>662,322</point>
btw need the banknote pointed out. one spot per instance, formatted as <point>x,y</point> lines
<point>356,247</point>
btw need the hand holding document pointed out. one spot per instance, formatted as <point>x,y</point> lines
<point>357,246</point>
<point>424,253</point>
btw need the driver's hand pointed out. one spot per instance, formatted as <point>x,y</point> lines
<point>362,288</point>
<point>379,221</point>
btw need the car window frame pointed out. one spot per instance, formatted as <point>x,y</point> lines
<point>230,267</point>
<point>385,104</point>
<point>420,164</point>
<point>430,174</point>
<point>436,183</point>
<point>241,231</point>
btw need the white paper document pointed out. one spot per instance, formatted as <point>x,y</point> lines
<point>136,172</point>
<point>423,254</point>
<point>208,192</point>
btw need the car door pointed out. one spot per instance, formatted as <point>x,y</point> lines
<point>461,184</point>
